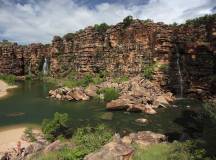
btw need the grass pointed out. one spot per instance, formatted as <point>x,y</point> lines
<point>121,79</point>
<point>188,150</point>
<point>109,93</point>
<point>155,152</point>
<point>8,78</point>
<point>72,80</point>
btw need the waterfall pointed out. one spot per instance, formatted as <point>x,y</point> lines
<point>29,69</point>
<point>45,67</point>
<point>179,72</point>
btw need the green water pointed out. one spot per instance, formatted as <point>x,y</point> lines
<point>28,105</point>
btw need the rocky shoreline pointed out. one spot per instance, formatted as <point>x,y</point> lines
<point>118,147</point>
<point>136,94</point>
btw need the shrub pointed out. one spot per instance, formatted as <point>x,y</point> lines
<point>89,139</point>
<point>101,28</point>
<point>148,71</point>
<point>68,36</point>
<point>29,134</point>
<point>164,67</point>
<point>10,79</point>
<point>127,21</point>
<point>109,93</point>
<point>188,150</point>
<point>210,111</point>
<point>56,126</point>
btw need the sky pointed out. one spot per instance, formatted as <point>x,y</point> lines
<point>32,21</point>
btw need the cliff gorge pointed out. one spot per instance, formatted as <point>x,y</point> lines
<point>124,50</point>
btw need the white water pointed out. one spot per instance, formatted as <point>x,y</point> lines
<point>29,69</point>
<point>179,72</point>
<point>45,67</point>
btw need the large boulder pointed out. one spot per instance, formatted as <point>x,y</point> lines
<point>91,90</point>
<point>55,146</point>
<point>119,104</point>
<point>78,94</point>
<point>144,138</point>
<point>116,150</point>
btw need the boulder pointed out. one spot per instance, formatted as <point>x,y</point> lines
<point>119,104</point>
<point>161,101</point>
<point>55,146</point>
<point>116,150</point>
<point>141,120</point>
<point>149,110</point>
<point>78,94</point>
<point>91,90</point>
<point>145,138</point>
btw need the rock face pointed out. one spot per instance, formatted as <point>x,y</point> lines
<point>124,51</point>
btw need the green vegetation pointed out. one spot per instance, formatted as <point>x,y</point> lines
<point>210,111</point>
<point>101,28</point>
<point>164,67</point>
<point>121,79</point>
<point>58,126</point>
<point>154,152</point>
<point>148,71</point>
<point>87,140</point>
<point>127,21</point>
<point>73,81</point>
<point>109,93</point>
<point>188,150</point>
<point>202,20</point>
<point>29,134</point>
<point>5,42</point>
<point>68,36</point>
<point>10,79</point>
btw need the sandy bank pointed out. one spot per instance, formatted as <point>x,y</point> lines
<point>10,136</point>
<point>4,87</point>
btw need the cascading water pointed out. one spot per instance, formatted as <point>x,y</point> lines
<point>29,69</point>
<point>45,67</point>
<point>179,72</point>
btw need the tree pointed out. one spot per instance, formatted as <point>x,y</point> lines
<point>101,28</point>
<point>127,21</point>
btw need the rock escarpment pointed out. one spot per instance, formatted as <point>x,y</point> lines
<point>125,50</point>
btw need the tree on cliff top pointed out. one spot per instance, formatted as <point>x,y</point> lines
<point>127,21</point>
<point>101,28</point>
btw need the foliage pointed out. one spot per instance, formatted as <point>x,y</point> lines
<point>89,139</point>
<point>202,20</point>
<point>68,36</point>
<point>189,150</point>
<point>148,71</point>
<point>29,134</point>
<point>154,152</point>
<point>210,111</point>
<point>147,21</point>
<point>127,21</point>
<point>101,28</point>
<point>10,79</point>
<point>109,93</point>
<point>121,79</point>
<point>5,42</point>
<point>164,67</point>
<point>56,126</point>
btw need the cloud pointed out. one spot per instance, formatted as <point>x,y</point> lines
<point>38,21</point>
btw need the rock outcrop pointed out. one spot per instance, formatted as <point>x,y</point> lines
<point>124,50</point>
<point>121,148</point>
